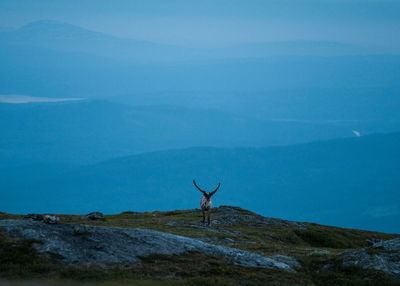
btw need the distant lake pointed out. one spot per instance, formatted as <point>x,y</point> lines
<point>18,99</point>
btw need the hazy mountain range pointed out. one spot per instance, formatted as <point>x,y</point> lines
<point>69,38</point>
<point>87,131</point>
<point>48,58</point>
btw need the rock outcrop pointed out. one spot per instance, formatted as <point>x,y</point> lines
<point>383,255</point>
<point>51,219</point>
<point>79,244</point>
<point>37,217</point>
<point>94,216</point>
<point>228,216</point>
<point>392,244</point>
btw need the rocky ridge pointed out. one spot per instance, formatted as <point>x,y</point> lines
<point>80,244</point>
<point>383,255</point>
<point>177,245</point>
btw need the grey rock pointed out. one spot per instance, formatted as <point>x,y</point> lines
<point>319,252</point>
<point>38,217</point>
<point>113,244</point>
<point>228,215</point>
<point>226,240</point>
<point>229,240</point>
<point>94,216</point>
<point>82,229</point>
<point>202,226</point>
<point>292,262</point>
<point>392,244</point>
<point>227,210</point>
<point>235,219</point>
<point>383,256</point>
<point>218,230</point>
<point>372,241</point>
<point>50,219</point>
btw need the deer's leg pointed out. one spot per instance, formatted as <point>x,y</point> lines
<point>204,216</point>
<point>208,217</point>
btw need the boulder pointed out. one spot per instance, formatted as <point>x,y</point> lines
<point>94,216</point>
<point>37,217</point>
<point>292,262</point>
<point>392,244</point>
<point>82,229</point>
<point>383,255</point>
<point>50,219</point>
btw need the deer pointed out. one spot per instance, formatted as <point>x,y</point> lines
<point>206,202</point>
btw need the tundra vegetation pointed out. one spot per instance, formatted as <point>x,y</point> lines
<point>316,247</point>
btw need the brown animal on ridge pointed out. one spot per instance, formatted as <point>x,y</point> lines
<point>206,202</point>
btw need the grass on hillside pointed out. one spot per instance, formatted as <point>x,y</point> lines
<point>315,246</point>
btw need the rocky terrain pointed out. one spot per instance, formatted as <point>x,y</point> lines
<point>80,244</point>
<point>383,255</point>
<point>239,248</point>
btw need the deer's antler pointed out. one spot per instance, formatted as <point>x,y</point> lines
<point>194,182</point>
<point>213,192</point>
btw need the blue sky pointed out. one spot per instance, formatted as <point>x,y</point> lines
<point>220,22</point>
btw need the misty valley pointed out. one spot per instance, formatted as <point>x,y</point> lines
<point>266,120</point>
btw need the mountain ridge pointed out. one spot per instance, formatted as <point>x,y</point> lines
<point>60,35</point>
<point>239,243</point>
<point>52,132</point>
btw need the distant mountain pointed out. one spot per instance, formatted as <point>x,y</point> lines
<point>63,37</point>
<point>70,38</point>
<point>83,132</point>
<point>44,31</point>
<point>53,59</point>
<point>347,182</point>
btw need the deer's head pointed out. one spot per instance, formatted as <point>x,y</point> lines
<point>207,195</point>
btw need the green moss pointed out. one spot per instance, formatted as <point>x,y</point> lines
<point>333,237</point>
<point>10,216</point>
<point>203,281</point>
<point>322,238</point>
<point>378,250</point>
<point>330,271</point>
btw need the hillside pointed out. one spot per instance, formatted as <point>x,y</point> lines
<point>87,131</point>
<point>286,252</point>
<point>346,182</point>
<point>63,37</point>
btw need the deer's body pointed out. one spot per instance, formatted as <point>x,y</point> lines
<point>206,203</point>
